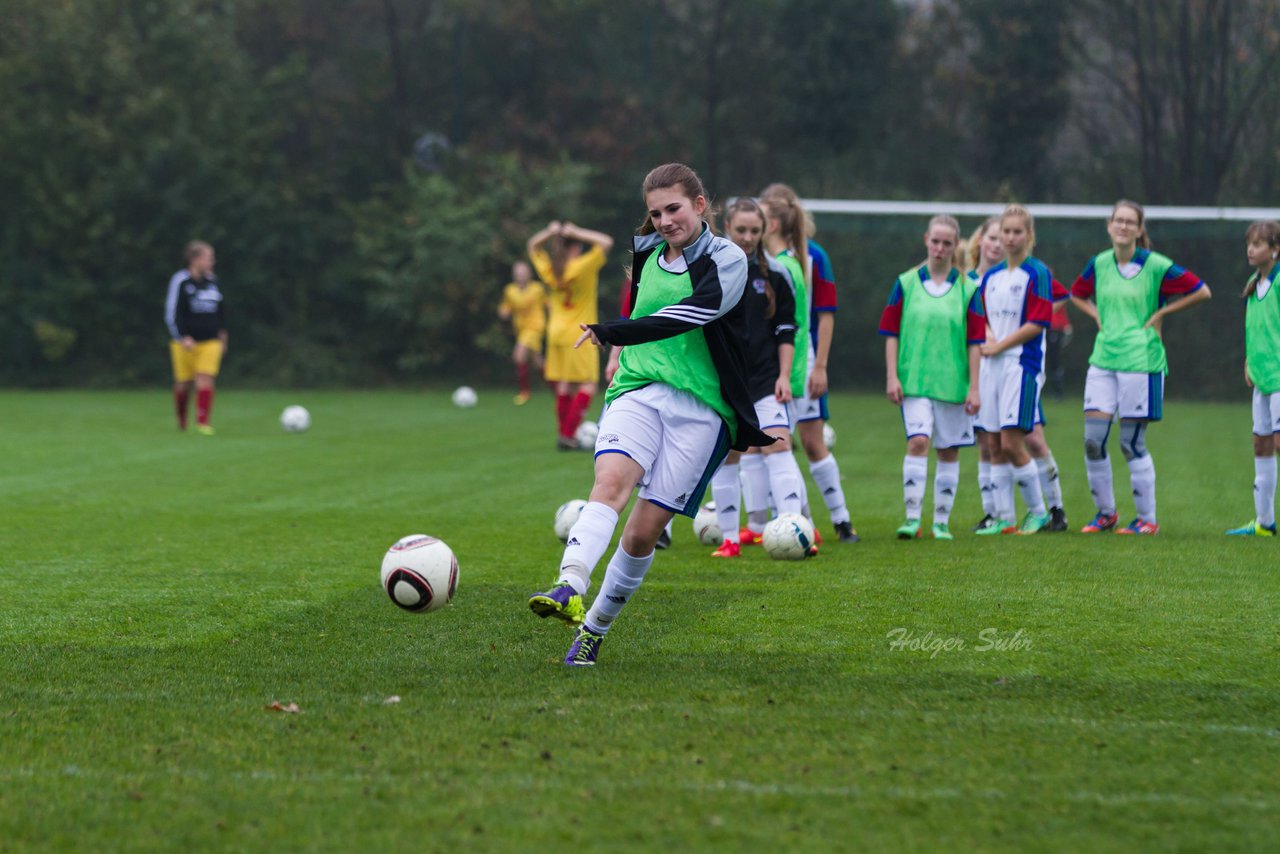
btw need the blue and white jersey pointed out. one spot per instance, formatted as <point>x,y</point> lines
<point>1013,298</point>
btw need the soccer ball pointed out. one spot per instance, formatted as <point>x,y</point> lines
<point>566,516</point>
<point>586,434</point>
<point>420,573</point>
<point>295,419</point>
<point>828,436</point>
<point>464,397</point>
<point>788,537</point>
<point>705,526</point>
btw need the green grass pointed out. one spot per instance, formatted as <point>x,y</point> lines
<point>158,590</point>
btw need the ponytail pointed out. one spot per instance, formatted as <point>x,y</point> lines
<point>1268,231</point>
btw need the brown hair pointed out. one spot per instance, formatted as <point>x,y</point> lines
<point>1018,210</point>
<point>781,203</point>
<point>1266,230</point>
<point>948,221</point>
<point>1144,239</point>
<point>672,175</point>
<point>745,205</point>
<point>975,242</point>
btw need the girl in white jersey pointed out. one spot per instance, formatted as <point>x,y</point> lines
<point>933,326</point>
<point>678,402</point>
<point>1262,371</point>
<point>1017,298</point>
<point>984,251</point>
<point>1127,291</point>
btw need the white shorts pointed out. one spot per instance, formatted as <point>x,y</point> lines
<point>770,413</point>
<point>1266,413</point>
<point>677,439</point>
<point>1010,395</point>
<point>946,424</point>
<point>983,379</point>
<point>1122,394</point>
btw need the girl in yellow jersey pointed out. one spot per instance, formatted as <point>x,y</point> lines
<point>524,303</point>
<point>573,277</point>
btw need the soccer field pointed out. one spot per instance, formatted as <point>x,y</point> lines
<point>158,591</point>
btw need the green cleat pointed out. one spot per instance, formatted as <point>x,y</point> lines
<point>941,531</point>
<point>1253,529</point>
<point>561,602</point>
<point>995,528</point>
<point>1033,523</point>
<point>909,530</point>
<point>205,430</point>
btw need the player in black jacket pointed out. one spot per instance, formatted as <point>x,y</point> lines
<point>198,332</point>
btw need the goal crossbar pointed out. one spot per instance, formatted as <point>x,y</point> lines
<point>985,209</point>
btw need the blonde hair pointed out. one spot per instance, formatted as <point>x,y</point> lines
<point>194,249</point>
<point>948,221</point>
<point>975,242</point>
<point>1018,210</point>
<point>781,203</point>
<point>1266,230</point>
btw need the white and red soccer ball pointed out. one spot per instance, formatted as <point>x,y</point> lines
<point>420,573</point>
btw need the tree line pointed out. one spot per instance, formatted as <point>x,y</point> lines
<point>368,169</point>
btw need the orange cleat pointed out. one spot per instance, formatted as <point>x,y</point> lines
<point>748,537</point>
<point>728,549</point>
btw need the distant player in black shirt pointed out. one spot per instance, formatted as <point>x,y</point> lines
<point>193,312</point>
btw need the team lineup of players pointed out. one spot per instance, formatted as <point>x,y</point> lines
<point>965,352</point>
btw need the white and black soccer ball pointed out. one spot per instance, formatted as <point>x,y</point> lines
<point>705,526</point>
<point>464,397</point>
<point>295,419</point>
<point>828,436</point>
<point>788,537</point>
<point>567,516</point>
<point>586,434</point>
<point>420,573</point>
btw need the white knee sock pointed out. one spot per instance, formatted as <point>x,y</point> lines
<point>985,489</point>
<point>755,490</point>
<point>915,476</point>
<point>1028,480</point>
<point>622,578</point>
<point>1142,478</point>
<point>1104,496</point>
<point>1049,483</point>
<point>946,478</point>
<point>1002,491</point>
<point>786,481</point>
<point>725,492</point>
<point>588,539</point>
<point>1264,489</point>
<point>826,474</point>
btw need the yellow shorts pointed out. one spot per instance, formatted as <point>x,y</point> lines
<point>567,365</point>
<point>530,338</point>
<point>204,358</point>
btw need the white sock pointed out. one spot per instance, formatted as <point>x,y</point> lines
<point>1049,483</point>
<point>755,490</point>
<point>1264,489</point>
<point>1142,478</point>
<point>986,489</point>
<point>915,476</point>
<point>1002,491</point>
<point>1028,480</point>
<point>786,481</point>
<point>622,578</point>
<point>725,493</point>
<point>946,478</point>
<point>1104,496</point>
<point>826,474</point>
<point>588,539</point>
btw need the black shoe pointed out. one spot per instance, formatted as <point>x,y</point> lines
<point>664,540</point>
<point>844,530</point>
<point>986,522</point>
<point>1057,520</point>
<point>565,444</point>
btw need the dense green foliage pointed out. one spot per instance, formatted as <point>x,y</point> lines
<point>159,593</point>
<point>368,168</point>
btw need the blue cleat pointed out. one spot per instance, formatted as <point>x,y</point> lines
<point>582,653</point>
<point>561,602</point>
